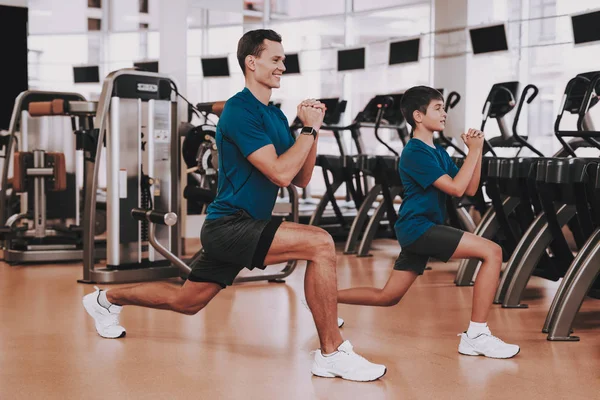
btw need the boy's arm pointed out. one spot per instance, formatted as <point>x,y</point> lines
<point>475,179</point>
<point>458,186</point>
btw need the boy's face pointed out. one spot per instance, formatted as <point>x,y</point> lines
<point>434,118</point>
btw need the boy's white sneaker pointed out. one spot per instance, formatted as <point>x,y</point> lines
<point>486,344</point>
<point>106,320</point>
<point>346,364</point>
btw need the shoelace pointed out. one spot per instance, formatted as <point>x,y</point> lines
<point>484,334</point>
<point>494,337</point>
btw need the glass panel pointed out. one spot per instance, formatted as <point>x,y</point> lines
<point>311,34</point>
<point>216,18</point>
<point>94,3</point>
<point>362,5</point>
<point>143,6</point>
<point>281,9</point>
<point>553,60</point>
<point>94,24</point>
<point>223,40</point>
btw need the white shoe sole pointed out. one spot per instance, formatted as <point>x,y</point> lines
<point>323,373</point>
<point>89,308</point>
<point>471,352</point>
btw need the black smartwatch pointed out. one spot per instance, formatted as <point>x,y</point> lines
<point>308,130</point>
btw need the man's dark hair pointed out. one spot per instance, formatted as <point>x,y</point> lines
<point>418,98</point>
<point>252,44</point>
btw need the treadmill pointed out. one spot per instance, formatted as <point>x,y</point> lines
<point>353,170</point>
<point>500,101</point>
<point>563,185</point>
<point>383,111</point>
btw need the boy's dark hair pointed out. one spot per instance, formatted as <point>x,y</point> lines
<point>252,43</point>
<point>417,98</point>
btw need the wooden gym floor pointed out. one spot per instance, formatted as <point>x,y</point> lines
<point>254,342</point>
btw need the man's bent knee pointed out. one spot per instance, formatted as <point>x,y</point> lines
<point>322,245</point>
<point>390,300</point>
<point>184,306</point>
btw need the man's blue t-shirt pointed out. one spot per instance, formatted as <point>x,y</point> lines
<point>423,206</point>
<point>245,126</point>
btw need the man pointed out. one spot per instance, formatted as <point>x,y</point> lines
<point>257,156</point>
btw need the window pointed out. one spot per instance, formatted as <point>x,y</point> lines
<point>544,28</point>
<point>94,24</point>
<point>282,9</point>
<point>144,6</point>
<point>94,3</point>
<point>143,40</point>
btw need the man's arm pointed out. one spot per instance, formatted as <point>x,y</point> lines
<point>302,178</point>
<point>281,170</point>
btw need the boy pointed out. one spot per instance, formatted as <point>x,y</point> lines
<point>428,175</point>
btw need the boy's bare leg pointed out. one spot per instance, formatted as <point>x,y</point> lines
<point>473,246</point>
<point>395,288</point>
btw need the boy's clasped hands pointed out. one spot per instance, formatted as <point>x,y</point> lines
<point>473,138</point>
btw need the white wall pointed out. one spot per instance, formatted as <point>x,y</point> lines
<point>221,5</point>
<point>14,3</point>
<point>450,64</point>
<point>57,16</point>
<point>125,15</point>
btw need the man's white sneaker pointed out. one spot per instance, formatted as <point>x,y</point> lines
<point>486,344</point>
<point>106,320</point>
<point>346,364</point>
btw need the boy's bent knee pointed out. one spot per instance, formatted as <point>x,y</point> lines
<point>493,253</point>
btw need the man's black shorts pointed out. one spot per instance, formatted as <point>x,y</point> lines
<point>230,244</point>
<point>439,242</point>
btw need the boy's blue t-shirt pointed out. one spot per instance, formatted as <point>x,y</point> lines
<point>423,206</point>
<point>245,126</point>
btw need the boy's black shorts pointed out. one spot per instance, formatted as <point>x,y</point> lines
<point>231,244</point>
<point>439,242</point>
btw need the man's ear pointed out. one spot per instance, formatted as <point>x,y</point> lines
<point>418,116</point>
<point>250,62</point>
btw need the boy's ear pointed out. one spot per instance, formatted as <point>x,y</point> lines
<point>418,116</point>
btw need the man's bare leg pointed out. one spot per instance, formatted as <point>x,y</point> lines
<point>303,242</point>
<point>187,299</point>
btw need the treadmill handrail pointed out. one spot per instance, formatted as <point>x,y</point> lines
<point>586,103</point>
<point>451,102</point>
<point>518,114</point>
<point>589,136</point>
